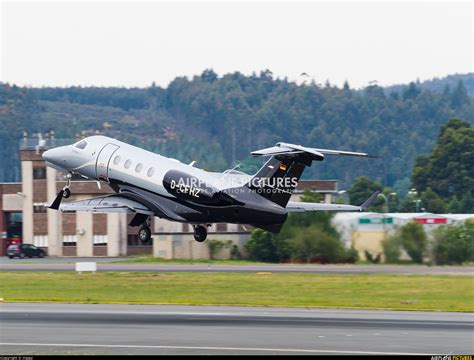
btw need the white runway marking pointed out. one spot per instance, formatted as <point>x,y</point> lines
<point>214,348</point>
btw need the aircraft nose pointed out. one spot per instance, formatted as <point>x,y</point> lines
<point>52,156</point>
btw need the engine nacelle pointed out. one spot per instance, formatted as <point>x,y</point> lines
<point>190,188</point>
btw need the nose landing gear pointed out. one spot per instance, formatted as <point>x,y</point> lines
<point>66,191</point>
<point>200,233</point>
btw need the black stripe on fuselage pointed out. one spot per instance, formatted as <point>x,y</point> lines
<point>254,207</point>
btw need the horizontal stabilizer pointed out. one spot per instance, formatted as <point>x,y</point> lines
<point>295,150</point>
<point>297,206</point>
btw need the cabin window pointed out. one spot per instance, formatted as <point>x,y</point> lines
<point>150,172</point>
<point>117,160</point>
<point>139,167</point>
<point>128,163</point>
<point>81,145</point>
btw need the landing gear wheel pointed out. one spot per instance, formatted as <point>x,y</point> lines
<point>144,234</point>
<point>200,233</point>
<point>66,193</point>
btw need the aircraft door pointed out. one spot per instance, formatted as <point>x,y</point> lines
<point>103,160</point>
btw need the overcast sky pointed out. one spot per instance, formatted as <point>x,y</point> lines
<point>135,43</point>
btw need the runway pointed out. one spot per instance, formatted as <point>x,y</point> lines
<point>47,265</point>
<point>153,329</point>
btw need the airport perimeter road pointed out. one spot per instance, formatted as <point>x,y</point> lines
<point>153,329</point>
<point>38,265</point>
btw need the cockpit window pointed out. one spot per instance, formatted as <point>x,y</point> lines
<point>81,145</point>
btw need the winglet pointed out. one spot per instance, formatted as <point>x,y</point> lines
<point>57,201</point>
<point>369,201</point>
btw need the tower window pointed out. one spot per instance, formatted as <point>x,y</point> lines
<point>39,173</point>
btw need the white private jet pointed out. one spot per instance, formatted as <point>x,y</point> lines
<point>147,184</point>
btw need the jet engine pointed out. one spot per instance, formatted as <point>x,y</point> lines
<point>190,188</point>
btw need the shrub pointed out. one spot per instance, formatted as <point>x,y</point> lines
<point>352,254</point>
<point>235,253</point>
<point>215,246</point>
<point>392,248</point>
<point>414,240</point>
<point>314,243</point>
<point>260,246</point>
<point>454,244</point>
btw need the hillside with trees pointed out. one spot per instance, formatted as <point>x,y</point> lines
<point>442,182</point>
<point>440,85</point>
<point>218,120</point>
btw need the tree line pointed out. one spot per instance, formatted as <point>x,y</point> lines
<point>440,182</point>
<point>218,120</point>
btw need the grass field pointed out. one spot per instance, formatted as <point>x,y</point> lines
<point>401,292</point>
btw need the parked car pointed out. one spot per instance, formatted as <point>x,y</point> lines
<point>24,250</point>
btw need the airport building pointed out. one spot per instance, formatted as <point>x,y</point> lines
<point>367,230</point>
<point>25,219</point>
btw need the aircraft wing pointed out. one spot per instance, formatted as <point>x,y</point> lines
<point>296,206</point>
<point>102,204</point>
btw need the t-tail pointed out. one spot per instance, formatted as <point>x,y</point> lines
<point>278,178</point>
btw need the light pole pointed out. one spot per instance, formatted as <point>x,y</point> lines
<point>417,202</point>
<point>342,192</point>
<point>387,207</point>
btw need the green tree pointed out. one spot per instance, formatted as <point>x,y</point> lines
<point>414,241</point>
<point>235,253</point>
<point>233,114</point>
<point>360,191</point>
<point>392,248</point>
<point>459,96</point>
<point>432,202</point>
<point>308,235</point>
<point>313,242</point>
<point>449,170</point>
<point>260,246</point>
<point>411,92</point>
<point>454,244</point>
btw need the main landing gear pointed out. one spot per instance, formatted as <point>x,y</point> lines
<point>200,233</point>
<point>144,234</point>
